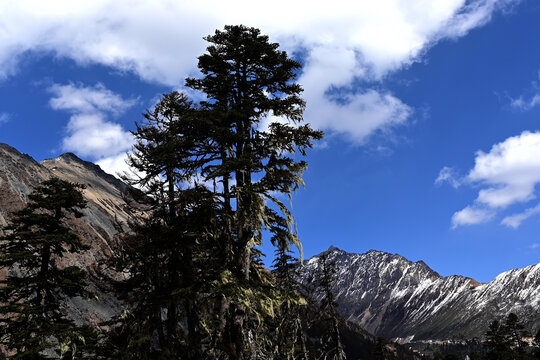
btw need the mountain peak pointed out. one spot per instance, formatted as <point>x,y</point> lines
<point>66,161</point>
<point>69,156</point>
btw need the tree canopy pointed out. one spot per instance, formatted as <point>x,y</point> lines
<point>33,319</point>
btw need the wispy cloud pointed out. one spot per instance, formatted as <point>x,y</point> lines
<point>4,118</point>
<point>529,100</point>
<point>524,104</point>
<point>535,246</point>
<point>506,175</point>
<point>160,40</point>
<point>90,132</point>
<point>448,175</point>
<point>515,220</point>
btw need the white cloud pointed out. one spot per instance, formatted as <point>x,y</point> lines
<point>535,246</point>
<point>525,104</point>
<point>81,99</point>
<point>89,132</point>
<point>116,164</point>
<point>447,174</point>
<point>473,14</point>
<point>91,135</point>
<point>160,40</point>
<point>471,215</point>
<point>4,118</point>
<point>530,100</point>
<point>507,175</point>
<point>510,170</point>
<point>514,221</point>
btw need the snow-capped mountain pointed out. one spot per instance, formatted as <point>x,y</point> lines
<point>393,297</point>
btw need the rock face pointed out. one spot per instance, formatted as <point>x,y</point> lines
<point>105,213</point>
<point>393,297</point>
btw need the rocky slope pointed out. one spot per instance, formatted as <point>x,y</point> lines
<point>105,213</point>
<point>393,297</point>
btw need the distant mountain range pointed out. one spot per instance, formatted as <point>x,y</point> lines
<point>390,296</point>
<point>385,294</point>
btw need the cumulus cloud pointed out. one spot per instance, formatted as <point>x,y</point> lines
<point>471,215</point>
<point>81,99</point>
<point>117,164</point>
<point>343,42</point>
<point>447,174</point>
<point>90,133</point>
<point>510,170</point>
<point>507,175</point>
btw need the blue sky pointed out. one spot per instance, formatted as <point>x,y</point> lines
<point>432,151</point>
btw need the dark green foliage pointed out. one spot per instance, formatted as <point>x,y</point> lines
<point>33,322</point>
<point>381,352</point>
<point>331,347</point>
<point>165,251</point>
<point>505,341</point>
<point>289,341</point>
<point>211,176</point>
<point>246,79</point>
<point>497,341</point>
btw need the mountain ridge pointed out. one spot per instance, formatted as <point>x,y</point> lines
<point>104,214</point>
<point>393,297</point>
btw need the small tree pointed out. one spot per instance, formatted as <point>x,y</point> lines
<point>33,322</point>
<point>380,352</point>
<point>497,342</point>
<point>328,304</point>
<point>289,331</point>
<point>516,332</point>
<point>505,341</point>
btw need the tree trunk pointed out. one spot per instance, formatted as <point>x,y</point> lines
<point>42,290</point>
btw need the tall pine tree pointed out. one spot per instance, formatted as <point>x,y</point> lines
<point>162,252</point>
<point>33,320</point>
<point>246,80</point>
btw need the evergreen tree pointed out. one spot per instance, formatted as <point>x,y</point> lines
<point>163,246</point>
<point>516,331</point>
<point>505,341</point>
<point>381,352</point>
<point>289,341</point>
<point>247,79</point>
<point>497,342</point>
<point>196,279</point>
<point>323,284</point>
<point>33,321</point>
